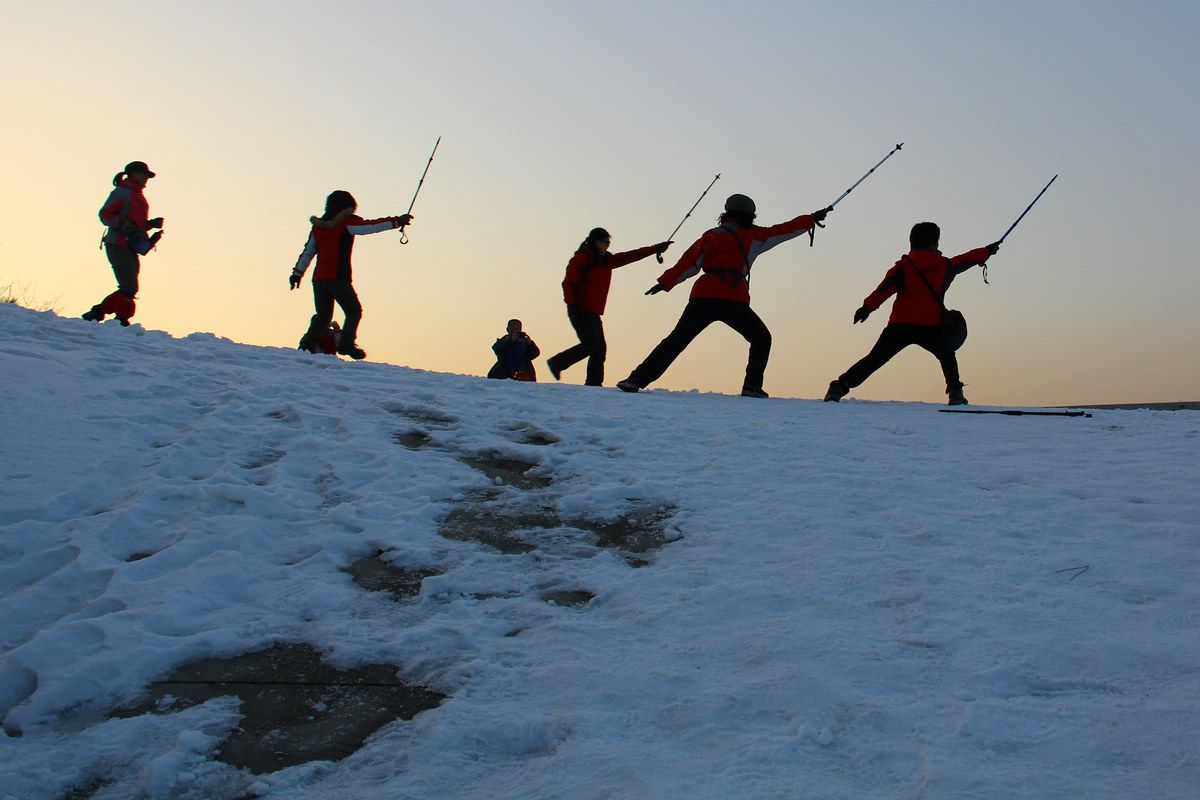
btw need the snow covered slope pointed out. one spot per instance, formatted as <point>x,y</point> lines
<point>685,595</point>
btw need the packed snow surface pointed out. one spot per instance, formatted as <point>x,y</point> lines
<point>851,600</point>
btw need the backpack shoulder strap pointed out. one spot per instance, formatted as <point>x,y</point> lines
<point>925,280</point>
<point>744,275</point>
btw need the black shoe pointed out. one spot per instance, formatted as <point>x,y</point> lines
<point>754,393</point>
<point>555,371</point>
<point>352,350</point>
<point>628,386</point>
<point>837,390</point>
<point>125,323</point>
<point>955,397</point>
<point>93,314</point>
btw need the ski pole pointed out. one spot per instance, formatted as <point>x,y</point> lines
<point>685,216</point>
<point>403,235</point>
<point>864,177</point>
<point>1026,211</point>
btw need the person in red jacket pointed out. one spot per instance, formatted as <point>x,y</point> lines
<point>331,242</point>
<point>585,291</point>
<point>916,312</point>
<point>722,257</point>
<point>125,213</point>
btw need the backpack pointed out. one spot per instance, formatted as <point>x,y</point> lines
<point>952,327</point>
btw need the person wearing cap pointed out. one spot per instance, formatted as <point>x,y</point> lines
<point>331,242</point>
<point>126,215</point>
<point>722,257</point>
<point>585,291</point>
<point>919,281</point>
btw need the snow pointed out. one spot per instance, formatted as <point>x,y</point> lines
<point>857,600</point>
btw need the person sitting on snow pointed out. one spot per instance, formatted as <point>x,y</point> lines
<point>515,353</point>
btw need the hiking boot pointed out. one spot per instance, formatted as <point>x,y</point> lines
<point>555,371</point>
<point>956,397</point>
<point>352,350</point>
<point>754,393</point>
<point>124,322</point>
<point>93,314</point>
<point>628,386</point>
<point>837,390</point>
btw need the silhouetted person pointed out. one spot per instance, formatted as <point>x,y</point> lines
<point>515,353</point>
<point>585,291</point>
<point>722,257</point>
<point>919,280</point>
<point>331,241</point>
<point>125,214</point>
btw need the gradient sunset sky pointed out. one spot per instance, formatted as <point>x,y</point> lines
<point>557,117</point>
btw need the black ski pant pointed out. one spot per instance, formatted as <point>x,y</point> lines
<point>125,266</point>
<point>697,315</point>
<point>592,346</point>
<point>894,338</point>
<point>325,294</point>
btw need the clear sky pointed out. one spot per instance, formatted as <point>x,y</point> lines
<point>558,117</point>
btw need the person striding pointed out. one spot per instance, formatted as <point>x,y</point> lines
<point>722,257</point>
<point>919,281</point>
<point>585,291</point>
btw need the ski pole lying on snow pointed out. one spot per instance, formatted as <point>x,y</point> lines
<point>1014,412</point>
<point>1026,211</point>
<point>403,235</point>
<point>685,216</point>
<point>864,177</point>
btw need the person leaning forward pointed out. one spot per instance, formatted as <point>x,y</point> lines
<point>722,257</point>
<point>916,312</point>
<point>585,291</point>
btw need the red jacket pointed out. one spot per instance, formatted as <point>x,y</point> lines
<point>725,254</point>
<point>332,246</point>
<point>125,202</point>
<point>589,274</point>
<point>915,304</point>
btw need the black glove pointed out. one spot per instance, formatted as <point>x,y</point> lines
<point>661,248</point>
<point>656,288</point>
<point>154,237</point>
<point>862,314</point>
<point>154,223</point>
<point>405,219</point>
<point>819,216</point>
<point>294,281</point>
<point>993,248</point>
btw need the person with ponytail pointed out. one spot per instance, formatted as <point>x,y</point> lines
<point>585,290</point>
<point>126,215</point>
<point>331,242</point>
